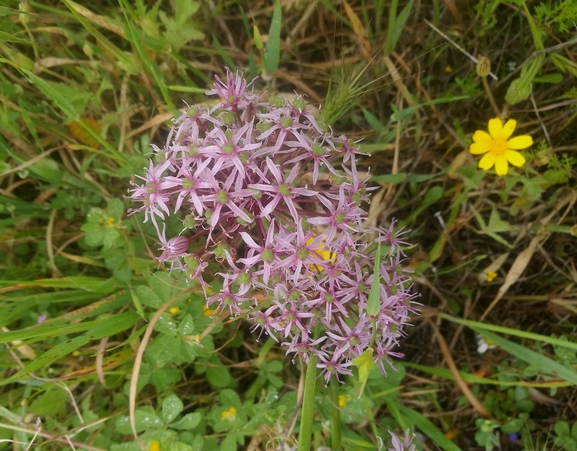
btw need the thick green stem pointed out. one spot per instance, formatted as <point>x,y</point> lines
<point>335,416</point>
<point>308,409</point>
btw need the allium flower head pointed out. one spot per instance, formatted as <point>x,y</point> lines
<point>498,146</point>
<point>266,192</point>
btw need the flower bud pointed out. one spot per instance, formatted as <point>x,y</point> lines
<point>483,66</point>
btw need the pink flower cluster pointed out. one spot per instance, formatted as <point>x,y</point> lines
<point>266,191</point>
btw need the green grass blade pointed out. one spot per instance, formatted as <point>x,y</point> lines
<point>109,327</point>
<point>473,379</point>
<point>482,327</point>
<point>544,364</point>
<point>67,108</point>
<point>428,428</point>
<point>271,54</point>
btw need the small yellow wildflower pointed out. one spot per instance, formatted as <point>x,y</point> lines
<point>110,220</point>
<point>154,446</point>
<point>448,69</point>
<point>228,413</point>
<point>322,252</point>
<point>499,150</point>
<point>491,276</point>
<point>343,400</point>
<point>206,311</point>
<point>174,310</point>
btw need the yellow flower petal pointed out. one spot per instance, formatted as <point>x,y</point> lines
<point>520,142</point>
<point>501,165</point>
<point>515,158</point>
<point>509,128</point>
<point>487,161</point>
<point>479,148</point>
<point>496,128</point>
<point>481,136</point>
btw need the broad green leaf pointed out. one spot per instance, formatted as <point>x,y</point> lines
<point>161,351</point>
<point>145,419</point>
<point>148,297</point>
<point>186,326</point>
<point>164,378</point>
<point>171,408</point>
<point>229,398</point>
<point>166,324</point>
<point>162,284</point>
<point>189,421</point>
<point>218,375</point>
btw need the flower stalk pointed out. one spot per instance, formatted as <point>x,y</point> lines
<point>308,408</point>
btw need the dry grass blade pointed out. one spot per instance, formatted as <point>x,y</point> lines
<point>136,369</point>
<point>455,372</point>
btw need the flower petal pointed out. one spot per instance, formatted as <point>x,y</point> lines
<point>501,165</point>
<point>515,158</point>
<point>487,161</point>
<point>496,128</point>
<point>520,142</point>
<point>481,136</point>
<point>509,128</point>
<point>479,148</point>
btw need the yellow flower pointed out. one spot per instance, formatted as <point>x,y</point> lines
<point>154,446</point>
<point>228,413</point>
<point>174,310</point>
<point>499,150</point>
<point>491,275</point>
<point>323,253</point>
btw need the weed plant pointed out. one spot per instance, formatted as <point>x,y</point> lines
<point>460,123</point>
